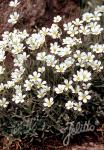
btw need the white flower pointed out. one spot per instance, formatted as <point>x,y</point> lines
<point>18,48</point>
<point>18,88</point>
<point>17,74</point>
<point>87,17</point>
<point>46,88</point>
<point>61,68</point>
<point>20,58</point>
<point>83,58</point>
<point>23,34</point>
<point>69,61</point>
<point>86,85</point>
<point>9,84</point>
<point>44,31</point>
<point>59,89</point>
<point>41,93</point>
<point>89,57</point>
<point>72,31</point>
<point>84,30</point>
<point>95,28</point>
<point>3,103</point>
<point>77,106</point>
<point>2,55</point>
<point>2,70</point>
<point>81,63</point>
<point>41,84</point>
<point>96,65</point>
<point>57,19</point>
<point>99,8</point>
<point>54,31</point>
<point>77,22</point>
<point>97,48</point>
<point>96,16</point>
<point>77,77</point>
<point>41,56</point>
<point>3,44</point>
<point>41,69</point>
<point>84,96</point>
<point>2,87</point>
<point>48,102</point>
<point>18,98</point>
<point>82,75</point>
<point>50,60</point>
<point>68,26</point>
<point>35,77</point>
<point>77,40</point>
<point>69,105</point>
<point>63,51</point>
<point>69,41</point>
<point>14,3</point>
<point>76,90</point>
<point>54,48</point>
<point>28,85</point>
<point>35,41</point>
<point>68,84</point>
<point>80,55</point>
<point>13,18</point>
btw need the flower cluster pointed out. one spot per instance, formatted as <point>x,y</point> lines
<point>65,66</point>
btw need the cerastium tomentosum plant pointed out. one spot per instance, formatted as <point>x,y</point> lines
<point>45,71</point>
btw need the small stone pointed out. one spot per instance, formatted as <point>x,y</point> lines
<point>91,144</point>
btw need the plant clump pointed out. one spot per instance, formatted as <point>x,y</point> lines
<point>53,73</point>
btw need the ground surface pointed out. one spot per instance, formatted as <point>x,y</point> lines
<point>53,144</point>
